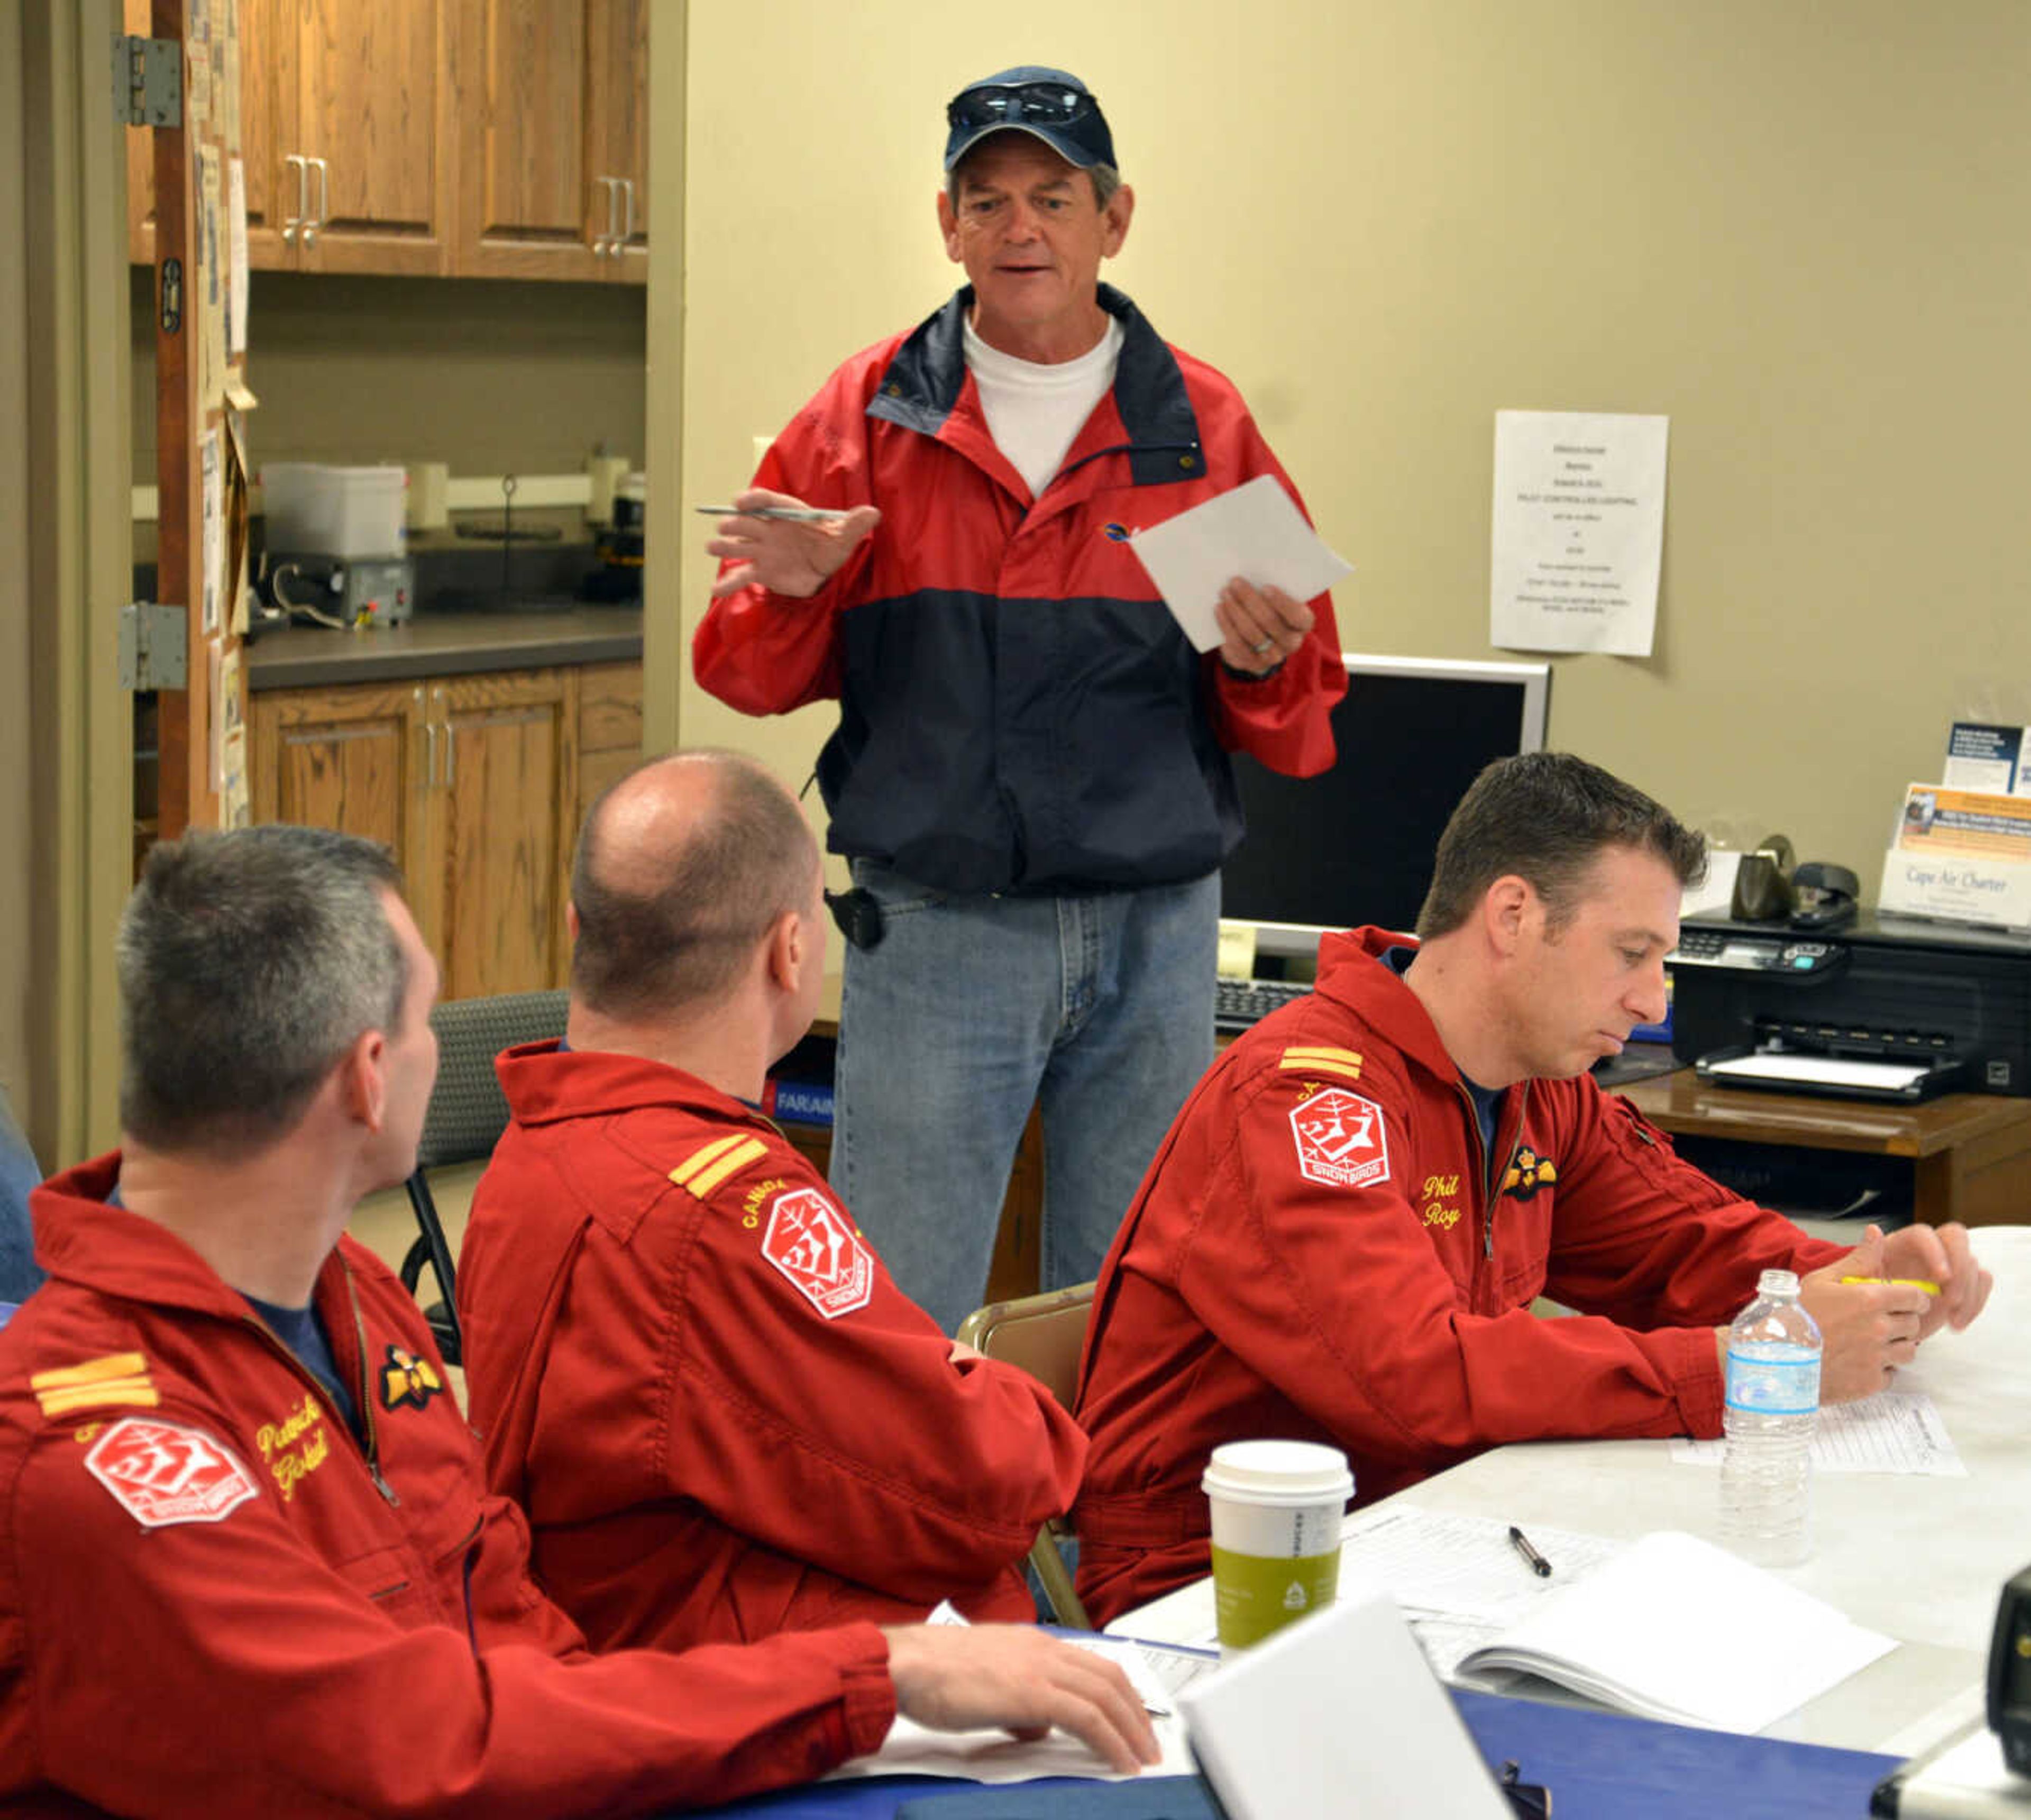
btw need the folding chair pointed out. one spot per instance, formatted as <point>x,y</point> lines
<point>1042,1334</point>
<point>467,1114</point>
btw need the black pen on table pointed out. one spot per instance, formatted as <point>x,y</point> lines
<point>1521,1542</point>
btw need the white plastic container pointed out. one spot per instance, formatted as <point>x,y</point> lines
<point>315,509</point>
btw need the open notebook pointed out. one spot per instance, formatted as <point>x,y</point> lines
<point>1678,1629</point>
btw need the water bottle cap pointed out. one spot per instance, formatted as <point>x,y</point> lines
<point>1778,1283</point>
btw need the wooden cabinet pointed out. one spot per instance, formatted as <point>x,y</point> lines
<point>497,851</point>
<point>475,783</point>
<point>348,757</point>
<point>376,128</point>
<point>610,730</point>
<point>348,136</point>
<point>553,151</point>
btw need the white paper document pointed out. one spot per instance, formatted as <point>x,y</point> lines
<point>1577,535</point>
<point>1459,1580</point>
<point>1893,1431</point>
<point>1983,756</point>
<point>1463,1567</point>
<point>992,1755</point>
<point>1659,1631</point>
<point>1764,1065</point>
<point>1254,532</point>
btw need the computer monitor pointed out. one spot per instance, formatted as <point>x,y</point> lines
<point>1355,845</point>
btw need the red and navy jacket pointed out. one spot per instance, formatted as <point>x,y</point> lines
<point>1017,709</point>
<point>217,1598</point>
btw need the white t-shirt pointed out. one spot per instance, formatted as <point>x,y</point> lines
<point>1035,412</point>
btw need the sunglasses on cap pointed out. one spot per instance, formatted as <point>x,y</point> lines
<point>1063,115</point>
<point>1027,103</point>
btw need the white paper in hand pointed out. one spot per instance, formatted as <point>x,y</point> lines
<point>1255,532</point>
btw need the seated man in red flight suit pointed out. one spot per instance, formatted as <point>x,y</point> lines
<point>1340,1239</point>
<point>686,1361</point>
<point>250,1567</point>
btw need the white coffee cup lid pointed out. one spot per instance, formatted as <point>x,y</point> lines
<point>1278,1472</point>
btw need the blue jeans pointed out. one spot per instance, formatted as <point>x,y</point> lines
<point>1098,1008</point>
<point>19,1271</point>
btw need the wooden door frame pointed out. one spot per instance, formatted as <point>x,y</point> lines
<point>79,538</point>
<point>665,637</point>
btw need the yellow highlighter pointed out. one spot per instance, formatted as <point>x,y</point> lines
<point>1900,1282</point>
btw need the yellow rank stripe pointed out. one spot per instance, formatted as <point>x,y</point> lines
<point>119,1378</point>
<point>92,1371</point>
<point>1319,1060</point>
<point>704,1170</point>
<point>133,1393</point>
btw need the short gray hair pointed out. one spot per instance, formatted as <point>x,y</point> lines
<point>249,962</point>
<point>1106,180</point>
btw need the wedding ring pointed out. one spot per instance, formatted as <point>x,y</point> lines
<point>1261,645</point>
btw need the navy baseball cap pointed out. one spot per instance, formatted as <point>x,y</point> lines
<point>1051,104</point>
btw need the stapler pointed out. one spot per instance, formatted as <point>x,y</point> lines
<point>1823,895</point>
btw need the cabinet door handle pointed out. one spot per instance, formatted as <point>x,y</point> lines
<point>324,201</point>
<point>303,196</point>
<point>430,754</point>
<point>451,752</point>
<point>627,232</point>
<point>601,243</point>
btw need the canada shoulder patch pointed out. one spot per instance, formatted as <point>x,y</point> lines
<point>1341,1140</point>
<point>407,1380</point>
<point>815,1247</point>
<point>162,1473</point>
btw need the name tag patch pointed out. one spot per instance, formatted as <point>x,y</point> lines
<point>1340,1140</point>
<point>161,1473</point>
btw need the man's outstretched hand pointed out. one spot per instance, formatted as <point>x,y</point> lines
<point>783,556</point>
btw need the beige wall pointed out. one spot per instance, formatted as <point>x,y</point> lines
<point>491,376</point>
<point>17,819</point>
<point>1801,229</point>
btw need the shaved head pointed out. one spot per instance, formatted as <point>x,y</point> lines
<point>682,868</point>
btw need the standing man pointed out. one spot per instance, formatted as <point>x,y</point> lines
<point>723,1418</point>
<point>1029,773</point>
<point>1342,1235</point>
<point>250,1567</point>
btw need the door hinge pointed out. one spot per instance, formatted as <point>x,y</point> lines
<point>147,81</point>
<point>155,646</point>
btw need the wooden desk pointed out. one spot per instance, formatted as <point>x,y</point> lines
<point>1970,1153</point>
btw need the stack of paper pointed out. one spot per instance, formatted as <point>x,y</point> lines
<point>1678,1629</point>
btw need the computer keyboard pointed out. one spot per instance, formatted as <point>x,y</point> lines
<point>1238,1003</point>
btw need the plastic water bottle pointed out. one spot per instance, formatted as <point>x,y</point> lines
<point>1772,1407</point>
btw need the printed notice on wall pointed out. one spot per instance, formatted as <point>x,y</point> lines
<point>1578,531</point>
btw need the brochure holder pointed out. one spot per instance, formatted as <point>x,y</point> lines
<point>1962,856</point>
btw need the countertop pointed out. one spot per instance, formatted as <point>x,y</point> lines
<point>443,644</point>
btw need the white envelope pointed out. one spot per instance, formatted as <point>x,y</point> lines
<point>1254,532</point>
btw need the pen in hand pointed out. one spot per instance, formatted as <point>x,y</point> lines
<point>1898,1282</point>
<point>1521,1542</point>
<point>787,514</point>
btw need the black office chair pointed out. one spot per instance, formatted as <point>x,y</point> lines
<point>467,1114</point>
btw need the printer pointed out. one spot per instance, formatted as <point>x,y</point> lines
<point>1888,1007</point>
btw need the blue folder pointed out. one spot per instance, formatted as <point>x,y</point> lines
<point>1598,1766</point>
